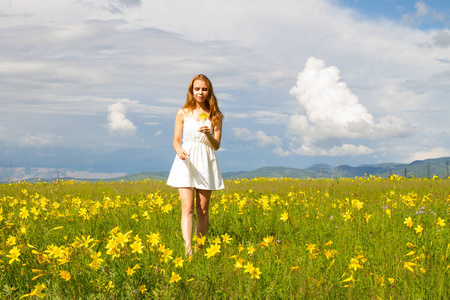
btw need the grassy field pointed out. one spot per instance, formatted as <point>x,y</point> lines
<point>361,238</point>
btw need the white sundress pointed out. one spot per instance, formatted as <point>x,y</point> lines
<point>200,169</point>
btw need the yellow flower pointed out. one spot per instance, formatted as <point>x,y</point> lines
<point>349,279</point>
<point>153,239</point>
<point>217,240</point>
<point>248,268</point>
<point>354,264</point>
<point>347,215</point>
<point>204,116</point>
<point>166,208</point>
<point>85,241</point>
<point>255,273</point>
<point>367,217</point>
<point>131,271</point>
<point>142,289</point>
<point>213,250</point>
<point>440,222</point>
<point>166,254</point>
<point>110,286</point>
<point>175,278</point>
<point>330,253</point>
<point>36,292</point>
<point>239,264</point>
<point>408,265</point>
<point>11,241</point>
<point>418,229</point>
<point>409,222</point>
<point>251,250</point>
<point>14,254</point>
<point>97,261</point>
<point>310,247</point>
<point>65,275</point>
<point>178,262</point>
<point>23,214</point>
<point>410,245</point>
<point>267,241</point>
<point>329,243</point>
<point>284,216</point>
<point>200,240</point>
<point>226,238</point>
<point>391,280</point>
<point>136,247</point>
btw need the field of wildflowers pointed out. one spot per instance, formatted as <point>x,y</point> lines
<point>360,238</point>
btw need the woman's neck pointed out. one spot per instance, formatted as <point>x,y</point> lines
<point>201,108</point>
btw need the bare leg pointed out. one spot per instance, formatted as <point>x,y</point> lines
<point>202,207</point>
<point>187,213</point>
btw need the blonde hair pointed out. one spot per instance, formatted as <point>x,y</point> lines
<point>215,115</point>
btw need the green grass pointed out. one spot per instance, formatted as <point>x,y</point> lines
<point>342,238</point>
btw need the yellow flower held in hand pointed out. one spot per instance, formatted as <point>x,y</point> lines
<point>204,116</point>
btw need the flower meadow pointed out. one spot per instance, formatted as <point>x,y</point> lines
<point>359,238</point>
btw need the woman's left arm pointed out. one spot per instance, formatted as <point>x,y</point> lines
<point>215,139</point>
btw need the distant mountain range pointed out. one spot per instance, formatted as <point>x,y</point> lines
<point>419,168</point>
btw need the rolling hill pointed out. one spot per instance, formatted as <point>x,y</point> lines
<point>419,168</point>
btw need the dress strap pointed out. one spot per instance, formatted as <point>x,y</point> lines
<point>183,112</point>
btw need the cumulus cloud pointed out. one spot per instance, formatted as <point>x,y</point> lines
<point>40,140</point>
<point>259,137</point>
<point>113,6</point>
<point>439,82</point>
<point>431,153</point>
<point>423,14</point>
<point>118,122</point>
<point>333,112</point>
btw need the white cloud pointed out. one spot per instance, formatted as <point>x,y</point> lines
<point>333,112</point>
<point>423,14</point>
<point>117,121</point>
<point>260,138</point>
<point>40,140</point>
<point>74,58</point>
<point>342,150</point>
<point>431,153</point>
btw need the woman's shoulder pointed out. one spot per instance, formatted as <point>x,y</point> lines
<point>183,112</point>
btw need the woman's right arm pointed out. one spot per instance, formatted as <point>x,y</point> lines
<point>178,133</point>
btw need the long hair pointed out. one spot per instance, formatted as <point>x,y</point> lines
<point>215,115</point>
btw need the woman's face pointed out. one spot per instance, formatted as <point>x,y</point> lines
<point>200,90</point>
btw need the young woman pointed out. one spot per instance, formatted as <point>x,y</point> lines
<point>195,171</point>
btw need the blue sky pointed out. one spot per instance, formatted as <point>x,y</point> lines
<point>90,88</point>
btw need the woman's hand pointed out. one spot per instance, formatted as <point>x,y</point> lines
<point>204,129</point>
<point>182,154</point>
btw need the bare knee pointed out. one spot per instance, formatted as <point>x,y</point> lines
<point>202,213</point>
<point>187,210</point>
